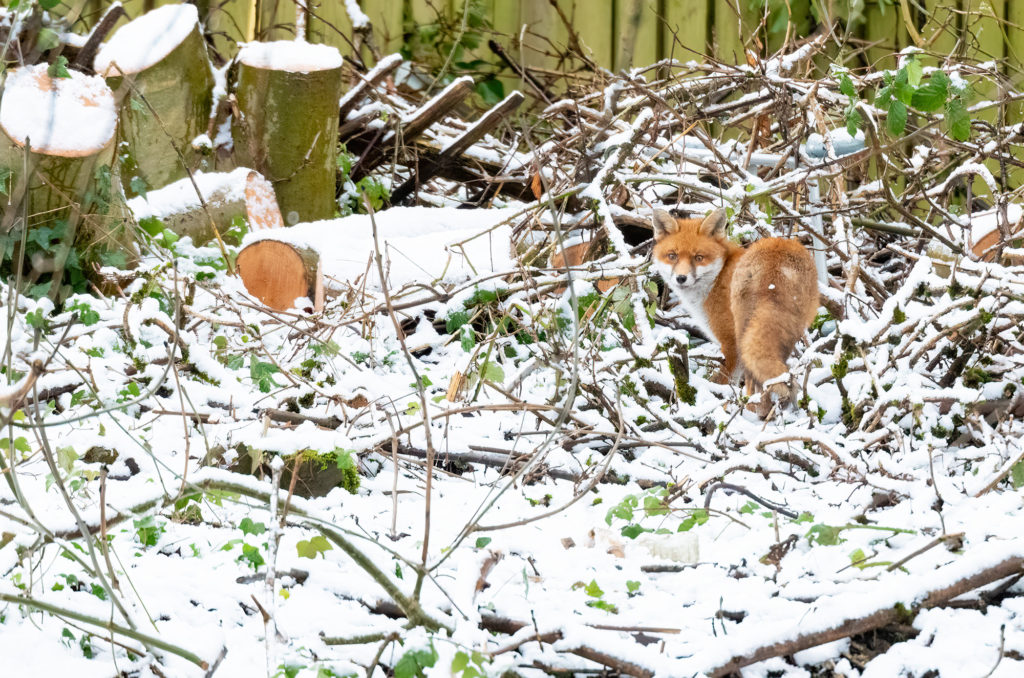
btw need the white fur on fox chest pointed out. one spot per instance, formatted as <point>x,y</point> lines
<point>693,294</point>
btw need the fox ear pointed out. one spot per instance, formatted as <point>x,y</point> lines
<point>664,224</point>
<point>714,224</point>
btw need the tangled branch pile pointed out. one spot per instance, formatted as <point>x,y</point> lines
<point>541,475</point>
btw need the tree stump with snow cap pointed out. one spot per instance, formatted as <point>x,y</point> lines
<point>287,123</point>
<point>56,159</point>
<point>162,55</point>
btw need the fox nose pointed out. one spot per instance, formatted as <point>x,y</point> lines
<point>681,279</point>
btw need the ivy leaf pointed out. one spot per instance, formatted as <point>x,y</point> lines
<point>48,4</point>
<point>930,96</point>
<point>493,372</point>
<point>47,40</point>
<point>593,590</point>
<point>897,119</point>
<point>139,186</point>
<point>957,120</point>
<point>59,68</point>
<point>311,548</point>
<point>247,526</point>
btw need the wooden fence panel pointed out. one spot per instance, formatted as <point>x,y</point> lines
<point>885,30</point>
<point>636,25</point>
<point>734,23</point>
<point>685,33</point>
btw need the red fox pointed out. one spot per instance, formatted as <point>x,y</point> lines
<point>756,302</point>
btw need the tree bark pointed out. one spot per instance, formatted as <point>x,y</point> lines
<point>164,107</point>
<point>285,129</point>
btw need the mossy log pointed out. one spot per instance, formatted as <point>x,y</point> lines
<point>159,66</point>
<point>56,157</point>
<point>287,121</point>
<point>228,195</point>
<point>277,273</point>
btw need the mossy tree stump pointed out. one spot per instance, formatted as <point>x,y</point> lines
<point>56,157</point>
<point>167,98</point>
<point>287,95</point>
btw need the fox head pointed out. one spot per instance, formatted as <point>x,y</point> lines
<point>689,253</point>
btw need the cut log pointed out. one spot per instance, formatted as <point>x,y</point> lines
<point>278,273</point>
<point>240,193</point>
<point>56,154</point>
<point>287,121</point>
<point>167,98</point>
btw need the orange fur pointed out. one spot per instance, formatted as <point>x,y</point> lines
<point>757,302</point>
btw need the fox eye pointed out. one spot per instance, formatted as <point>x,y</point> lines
<point>698,258</point>
<point>672,256</point>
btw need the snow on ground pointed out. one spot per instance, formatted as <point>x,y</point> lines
<point>695,587</point>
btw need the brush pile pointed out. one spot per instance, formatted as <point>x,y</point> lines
<point>497,450</point>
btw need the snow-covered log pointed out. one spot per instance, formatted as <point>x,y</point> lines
<point>227,195</point>
<point>288,96</point>
<point>158,64</point>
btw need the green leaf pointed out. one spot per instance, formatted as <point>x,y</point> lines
<point>493,372</point>
<point>455,320</point>
<point>59,68</point>
<point>853,120</point>
<point>47,40</point>
<point>593,590</point>
<point>930,96</point>
<point>139,186</point>
<point>633,531</point>
<point>654,506</point>
<point>311,548</point>
<point>491,91</point>
<point>697,517</point>
<point>66,457</point>
<point>251,556</point>
<point>896,122</point>
<point>914,70</point>
<point>460,661</point>
<point>261,374</point>
<point>632,586</point>
<point>846,86</point>
<point>957,120</point>
<point>825,535</point>
<point>1017,475</point>
<point>467,337</point>
<point>49,4</point>
<point>152,226</point>
<point>247,526</point>
<point>482,542</point>
<point>412,663</point>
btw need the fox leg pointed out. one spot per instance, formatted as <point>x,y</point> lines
<point>763,353</point>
